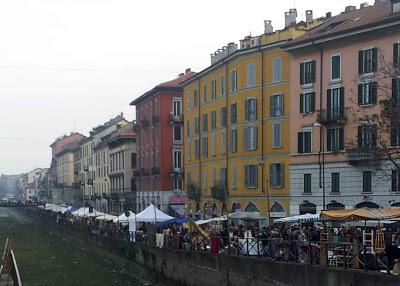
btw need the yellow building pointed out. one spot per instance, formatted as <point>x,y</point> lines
<point>236,126</point>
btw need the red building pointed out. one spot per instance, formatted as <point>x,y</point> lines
<point>159,131</point>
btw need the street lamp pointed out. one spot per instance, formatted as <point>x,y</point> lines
<point>321,164</point>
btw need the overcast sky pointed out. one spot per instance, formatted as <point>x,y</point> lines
<point>69,65</point>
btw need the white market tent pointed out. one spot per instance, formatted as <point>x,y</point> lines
<point>106,217</point>
<point>80,212</point>
<point>152,214</point>
<point>297,218</point>
<point>216,219</point>
<point>123,218</point>
<point>246,215</point>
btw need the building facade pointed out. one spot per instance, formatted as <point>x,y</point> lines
<point>339,82</point>
<point>159,132</point>
<point>236,127</point>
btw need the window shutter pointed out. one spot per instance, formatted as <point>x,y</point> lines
<point>313,71</point>
<point>341,97</point>
<point>374,90</point>
<point>360,94</point>
<point>393,136</point>
<point>256,176</point>
<point>246,138</point>
<point>341,139</point>
<point>329,139</point>
<point>395,88</point>
<point>312,101</point>
<point>255,138</point>
<point>255,109</point>
<point>281,175</point>
<point>373,136</point>
<point>360,62</point>
<point>302,73</point>
<point>246,177</point>
<point>302,103</point>
<point>328,102</point>
<point>374,59</point>
<point>246,109</point>
<point>271,175</point>
<point>396,55</point>
<point>282,104</point>
<point>272,106</point>
<point>359,136</point>
<point>300,142</point>
<point>394,180</point>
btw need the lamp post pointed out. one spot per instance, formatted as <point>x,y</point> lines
<point>321,153</point>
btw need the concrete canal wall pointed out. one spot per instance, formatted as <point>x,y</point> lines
<point>192,268</point>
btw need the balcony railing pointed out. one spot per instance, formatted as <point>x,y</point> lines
<point>362,155</point>
<point>332,115</point>
<point>178,119</point>
<point>155,120</point>
<point>176,172</point>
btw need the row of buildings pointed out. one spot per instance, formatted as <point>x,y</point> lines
<point>288,122</point>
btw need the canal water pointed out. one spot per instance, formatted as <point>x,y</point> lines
<point>48,256</point>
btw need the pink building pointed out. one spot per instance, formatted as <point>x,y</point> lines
<point>334,161</point>
<point>159,131</point>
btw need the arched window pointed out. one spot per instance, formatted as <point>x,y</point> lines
<point>370,205</point>
<point>396,205</point>
<point>307,207</point>
<point>224,209</point>
<point>233,209</point>
<point>334,205</point>
<point>207,211</point>
<point>277,208</point>
<point>214,210</point>
<point>251,208</point>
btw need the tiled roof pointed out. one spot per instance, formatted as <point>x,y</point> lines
<point>348,21</point>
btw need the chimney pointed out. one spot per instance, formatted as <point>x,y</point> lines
<point>181,74</point>
<point>350,8</point>
<point>290,17</point>
<point>232,47</point>
<point>328,15</point>
<point>309,16</point>
<point>188,70</point>
<point>268,29</point>
<point>364,5</point>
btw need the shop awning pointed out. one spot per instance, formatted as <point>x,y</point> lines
<point>361,214</point>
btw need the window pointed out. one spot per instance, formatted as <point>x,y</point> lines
<point>189,151</point>
<point>307,102</point>
<point>395,180</point>
<point>205,180</point>
<point>133,160</point>
<point>250,176</point>
<point>213,148</point>
<point>213,120</point>
<point>251,109</point>
<point>395,134</point>
<point>276,175</point>
<point>204,146</point>
<point>223,117</point>
<point>395,7</point>
<point>196,97</point>
<point>396,55</point>
<point>177,159</point>
<point>234,140</point>
<point>222,85</point>
<point>335,139</point>
<point>223,176</point>
<point>234,177</point>
<point>276,105</point>
<point>307,183</point>
<point>335,103</point>
<point>196,126</point>
<point>204,93</point>
<point>177,107</point>
<point>367,182</point>
<point>223,142</point>
<point>396,92</point>
<point>205,122</point>
<point>188,129</point>
<point>250,138</point>
<point>367,93</point>
<point>213,90</point>
<point>335,182</point>
<point>276,130</point>
<point>367,136</point>
<point>307,72</point>
<point>367,61</point>
<point>178,183</point>
<point>233,113</point>
<point>335,67</point>
<point>251,75</point>
<point>196,148</point>
<point>277,73</point>
<point>233,80</point>
<point>177,132</point>
<point>304,142</point>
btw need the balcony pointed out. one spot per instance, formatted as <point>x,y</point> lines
<point>175,119</point>
<point>176,172</point>
<point>145,123</point>
<point>155,171</point>
<point>155,120</point>
<point>363,155</point>
<point>334,115</point>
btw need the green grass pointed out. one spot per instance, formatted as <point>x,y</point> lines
<point>51,256</point>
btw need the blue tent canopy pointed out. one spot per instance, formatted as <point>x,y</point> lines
<point>177,220</point>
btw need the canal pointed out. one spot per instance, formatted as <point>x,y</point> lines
<point>51,256</point>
